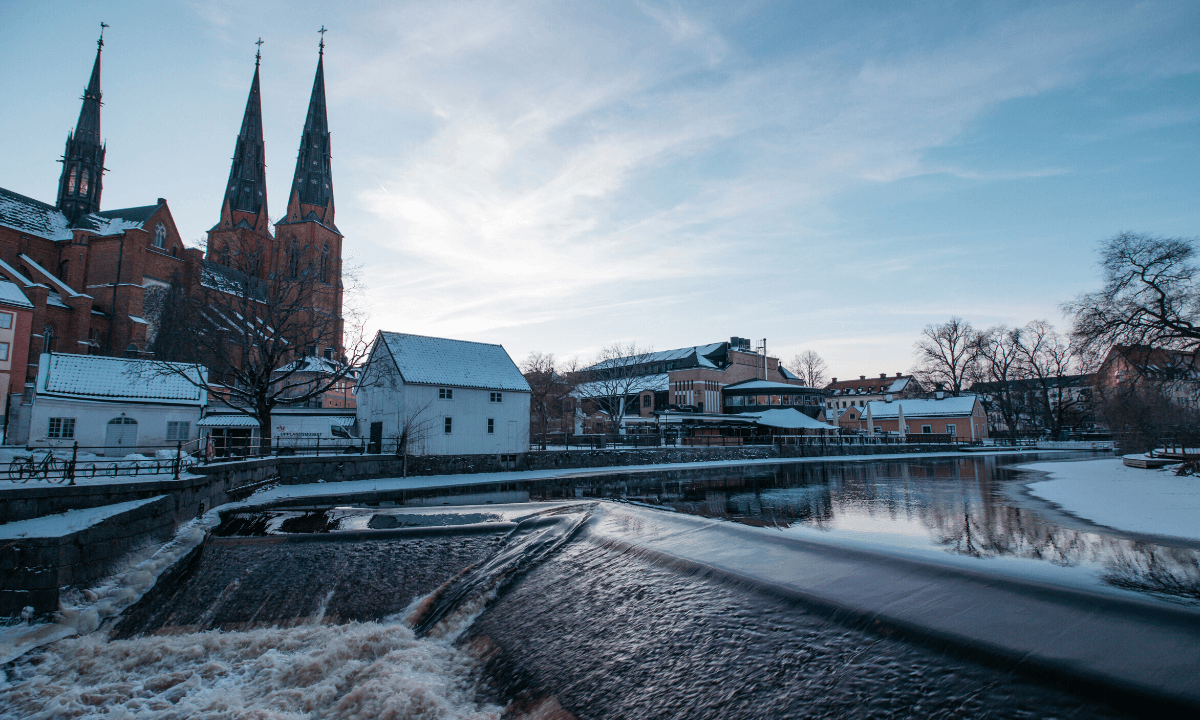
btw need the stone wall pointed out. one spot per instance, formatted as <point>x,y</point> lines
<point>32,570</point>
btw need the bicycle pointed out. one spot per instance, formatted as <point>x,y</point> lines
<point>23,469</point>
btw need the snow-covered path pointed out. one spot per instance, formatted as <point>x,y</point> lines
<point>1106,492</point>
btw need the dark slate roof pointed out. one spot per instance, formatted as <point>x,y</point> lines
<point>134,214</point>
<point>227,280</point>
<point>32,216</point>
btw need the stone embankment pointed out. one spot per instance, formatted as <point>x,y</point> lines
<point>30,574</point>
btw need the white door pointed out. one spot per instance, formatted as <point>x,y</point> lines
<point>121,436</point>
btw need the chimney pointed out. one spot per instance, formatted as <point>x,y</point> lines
<point>162,201</point>
<point>887,398</point>
<point>835,380</point>
<point>899,375</point>
<point>862,377</point>
<point>883,376</point>
<point>939,395</point>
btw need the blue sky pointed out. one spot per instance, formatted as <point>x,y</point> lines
<point>558,176</point>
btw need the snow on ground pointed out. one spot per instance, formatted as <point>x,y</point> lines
<point>67,522</point>
<point>1155,502</point>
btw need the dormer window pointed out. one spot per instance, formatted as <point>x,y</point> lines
<point>160,235</point>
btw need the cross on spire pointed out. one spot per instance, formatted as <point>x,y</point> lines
<point>258,53</point>
<point>322,31</point>
<point>100,42</point>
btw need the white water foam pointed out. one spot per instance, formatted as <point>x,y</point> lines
<point>358,670</point>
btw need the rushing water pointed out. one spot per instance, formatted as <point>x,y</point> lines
<point>533,618</point>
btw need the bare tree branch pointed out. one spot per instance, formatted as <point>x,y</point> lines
<point>810,368</point>
<point>947,355</point>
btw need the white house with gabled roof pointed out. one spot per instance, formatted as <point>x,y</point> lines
<point>113,406</point>
<point>442,397</point>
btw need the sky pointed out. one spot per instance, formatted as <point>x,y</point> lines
<point>560,176</point>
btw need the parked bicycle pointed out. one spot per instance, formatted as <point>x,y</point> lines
<point>23,469</point>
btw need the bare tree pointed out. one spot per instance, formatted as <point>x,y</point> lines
<point>999,359</point>
<point>810,368</point>
<point>551,387</point>
<point>947,355</point>
<point>1049,361</point>
<point>1151,296</point>
<point>619,372</point>
<point>262,334</point>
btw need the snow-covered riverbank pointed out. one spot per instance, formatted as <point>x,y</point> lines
<point>1106,492</point>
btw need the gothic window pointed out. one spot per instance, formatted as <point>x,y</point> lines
<point>160,235</point>
<point>48,338</point>
<point>71,180</point>
<point>83,183</point>
<point>225,255</point>
<point>294,260</point>
<point>324,263</point>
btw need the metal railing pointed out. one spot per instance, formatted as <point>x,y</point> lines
<point>65,465</point>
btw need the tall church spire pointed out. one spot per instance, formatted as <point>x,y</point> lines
<point>313,182</point>
<point>246,190</point>
<point>83,158</point>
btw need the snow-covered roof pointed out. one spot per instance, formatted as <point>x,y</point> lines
<point>227,421</point>
<point>33,217</point>
<point>658,382</point>
<point>699,351</point>
<point>10,294</point>
<point>457,363</point>
<point>766,385</point>
<point>789,418</point>
<point>92,377</point>
<point>915,408</point>
<point>871,386</point>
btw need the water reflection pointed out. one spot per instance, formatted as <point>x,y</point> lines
<point>965,506</point>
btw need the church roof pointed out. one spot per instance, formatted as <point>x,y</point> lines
<point>247,187</point>
<point>32,217</point>
<point>313,181</point>
<point>10,294</point>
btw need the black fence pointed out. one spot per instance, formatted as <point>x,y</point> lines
<point>647,440</point>
<point>65,465</point>
<point>234,448</point>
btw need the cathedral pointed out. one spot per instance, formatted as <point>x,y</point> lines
<point>97,279</point>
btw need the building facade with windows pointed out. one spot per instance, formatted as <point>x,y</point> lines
<point>962,418</point>
<point>436,396</point>
<point>16,321</point>
<point>843,394</point>
<point>111,406</point>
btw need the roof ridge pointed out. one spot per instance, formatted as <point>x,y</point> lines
<point>435,337</point>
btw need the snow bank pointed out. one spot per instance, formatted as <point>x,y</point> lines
<point>68,522</point>
<point>359,670</point>
<point>1107,492</point>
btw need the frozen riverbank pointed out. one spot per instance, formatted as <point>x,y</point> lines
<point>1106,492</point>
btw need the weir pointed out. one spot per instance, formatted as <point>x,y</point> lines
<point>648,608</point>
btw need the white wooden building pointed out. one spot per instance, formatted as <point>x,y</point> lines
<point>113,406</point>
<point>445,397</point>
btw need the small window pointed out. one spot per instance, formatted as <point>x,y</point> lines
<point>491,426</point>
<point>177,431</point>
<point>5,320</point>
<point>497,397</point>
<point>951,430</point>
<point>3,351</point>
<point>61,428</point>
<point>927,429</point>
<point>448,425</point>
<point>851,416</point>
<point>445,394</point>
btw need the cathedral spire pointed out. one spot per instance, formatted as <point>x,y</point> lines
<point>246,190</point>
<point>313,182</point>
<point>83,158</point>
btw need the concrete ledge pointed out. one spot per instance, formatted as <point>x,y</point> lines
<point>1126,649</point>
<point>33,570</point>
